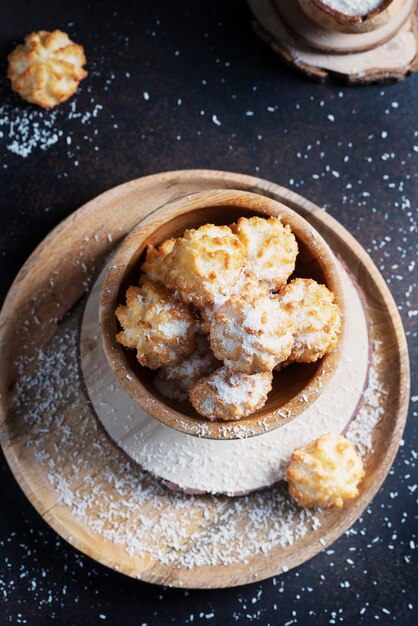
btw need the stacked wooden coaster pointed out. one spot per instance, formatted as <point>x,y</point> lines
<point>324,38</point>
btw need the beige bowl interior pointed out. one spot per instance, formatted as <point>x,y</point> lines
<point>294,388</point>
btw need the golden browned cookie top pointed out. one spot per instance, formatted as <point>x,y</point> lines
<point>47,68</point>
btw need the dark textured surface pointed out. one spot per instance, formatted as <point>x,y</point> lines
<point>216,99</point>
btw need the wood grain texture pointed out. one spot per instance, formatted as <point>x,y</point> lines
<point>386,54</point>
<point>80,244</point>
<point>312,35</point>
<point>315,260</point>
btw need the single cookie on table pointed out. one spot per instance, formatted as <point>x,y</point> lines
<point>47,69</point>
<point>226,395</point>
<point>175,381</point>
<point>325,472</point>
<point>316,317</point>
<point>157,324</point>
<point>251,333</point>
<point>205,263</point>
<point>154,266</point>
<point>271,249</point>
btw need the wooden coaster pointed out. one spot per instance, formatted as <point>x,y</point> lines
<point>325,40</point>
<point>87,489</point>
<point>176,457</point>
<point>387,53</point>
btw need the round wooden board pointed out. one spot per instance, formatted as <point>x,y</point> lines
<point>47,290</point>
<point>376,56</point>
<point>332,41</point>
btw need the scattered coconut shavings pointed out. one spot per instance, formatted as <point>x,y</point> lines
<point>116,499</point>
<point>113,497</point>
<point>354,7</point>
<point>360,431</point>
<point>24,129</point>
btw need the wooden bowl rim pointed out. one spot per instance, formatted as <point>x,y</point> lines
<point>345,18</point>
<point>116,353</point>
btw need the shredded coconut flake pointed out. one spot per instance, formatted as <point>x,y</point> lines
<point>353,7</point>
<point>114,498</point>
<point>360,431</point>
<point>25,129</point>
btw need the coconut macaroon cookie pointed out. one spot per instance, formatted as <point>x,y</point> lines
<point>205,263</point>
<point>47,69</point>
<point>271,249</point>
<point>206,315</point>
<point>154,266</point>
<point>325,472</point>
<point>243,287</point>
<point>252,333</point>
<point>226,395</point>
<point>157,324</point>
<point>175,381</point>
<point>316,318</point>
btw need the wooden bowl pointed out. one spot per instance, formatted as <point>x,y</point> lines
<point>294,388</point>
<point>330,18</point>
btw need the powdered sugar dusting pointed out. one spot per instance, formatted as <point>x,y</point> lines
<point>240,388</point>
<point>175,328</point>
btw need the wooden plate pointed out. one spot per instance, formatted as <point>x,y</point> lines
<point>42,301</point>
